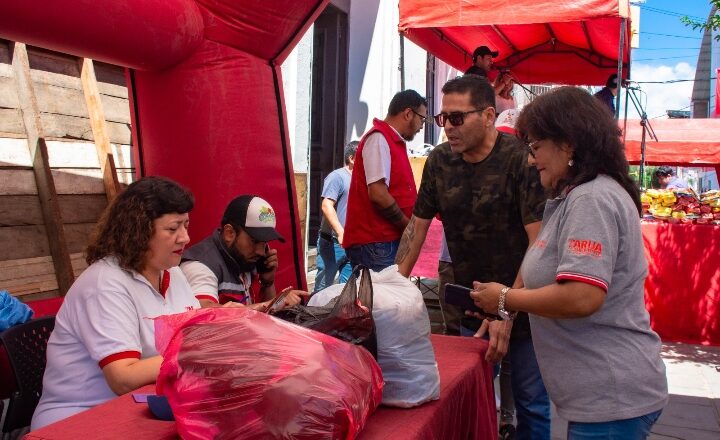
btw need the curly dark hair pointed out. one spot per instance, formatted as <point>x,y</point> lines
<point>572,115</point>
<point>126,226</point>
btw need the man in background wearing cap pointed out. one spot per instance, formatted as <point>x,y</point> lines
<point>608,93</point>
<point>382,186</point>
<point>482,61</point>
<point>221,267</point>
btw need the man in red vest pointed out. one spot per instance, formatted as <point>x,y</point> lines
<point>382,189</point>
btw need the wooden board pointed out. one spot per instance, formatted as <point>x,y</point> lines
<point>14,153</point>
<point>78,181</point>
<point>32,276</point>
<point>20,211</point>
<point>23,242</point>
<point>8,93</point>
<point>69,154</point>
<point>78,236</point>
<point>17,182</point>
<point>85,208</point>
<point>11,121</point>
<point>63,126</point>
<point>60,100</point>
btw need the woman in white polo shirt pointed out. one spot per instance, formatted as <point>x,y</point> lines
<point>103,344</point>
<point>584,274</point>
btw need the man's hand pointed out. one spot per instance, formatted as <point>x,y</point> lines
<point>499,332</point>
<point>340,236</point>
<point>267,276</point>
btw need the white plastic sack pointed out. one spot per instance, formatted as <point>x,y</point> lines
<point>405,353</point>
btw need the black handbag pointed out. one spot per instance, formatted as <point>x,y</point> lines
<point>347,317</point>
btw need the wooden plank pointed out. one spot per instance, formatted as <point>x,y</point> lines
<point>78,181</point>
<point>15,153</point>
<point>26,96</point>
<point>122,154</point>
<point>23,242</point>
<point>37,266</point>
<point>85,208</point>
<point>20,210</point>
<point>116,109</point>
<point>72,154</point>
<point>11,121</point>
<point>8,94</point>
<point>51,61</point>
<point>27,297</point>
<point>17,182</point>
<point>79,235</point>
<point>60,100</point>
<point>71,127</point>
<point>59,246</point>
<point>99,128</point>
<point>56,79</point>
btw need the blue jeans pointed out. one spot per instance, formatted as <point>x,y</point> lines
<point>637,428</point>
<point>331,259</point>
<point>532,404</point>
<point>376,256</point>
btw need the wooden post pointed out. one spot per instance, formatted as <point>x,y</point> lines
<point>41,167</point>
<point>99,128</point>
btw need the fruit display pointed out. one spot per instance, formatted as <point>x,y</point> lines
<point>681,206</point>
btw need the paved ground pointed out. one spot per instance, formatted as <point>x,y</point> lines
<point>693,373</point>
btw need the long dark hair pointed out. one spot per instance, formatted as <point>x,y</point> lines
<point>572,115</point>
<point>126,226</point>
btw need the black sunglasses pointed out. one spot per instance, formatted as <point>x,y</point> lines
<point>424,119</point>
<point>455,118</point>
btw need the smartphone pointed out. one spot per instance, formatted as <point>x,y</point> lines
<point>458,295</point>
<point>260,266</point>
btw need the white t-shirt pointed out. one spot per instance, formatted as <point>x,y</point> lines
<point>106,316</point>
<point>376,158</point>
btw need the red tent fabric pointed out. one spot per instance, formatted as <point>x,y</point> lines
<point>570,42</point>
<point>686,142</point>
<point>205,92</point>
<point>717,93</point>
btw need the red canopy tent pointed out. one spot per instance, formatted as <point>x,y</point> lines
<point>570,42</point>
<point>681,142</point>
<point>205,88</point>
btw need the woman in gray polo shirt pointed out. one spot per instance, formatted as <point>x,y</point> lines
<point>584,275</point>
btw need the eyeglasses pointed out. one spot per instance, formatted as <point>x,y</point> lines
<point>532,149</point>
<point>424,119</point>
<point>455,118</point>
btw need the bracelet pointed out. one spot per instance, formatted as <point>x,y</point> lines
<point>504,314</point>
<point>266,283</point>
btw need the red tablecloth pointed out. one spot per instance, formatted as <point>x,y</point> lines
<point>466,409</point>
<point>427,262</point>
<point>682,290</point>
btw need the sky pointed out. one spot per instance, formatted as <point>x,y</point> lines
<point>668,51</point>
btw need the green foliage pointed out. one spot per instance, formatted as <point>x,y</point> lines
<point>713,22</point>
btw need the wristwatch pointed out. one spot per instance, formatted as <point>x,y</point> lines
<point>504,314</point>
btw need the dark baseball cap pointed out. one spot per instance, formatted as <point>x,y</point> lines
<point>484,50</point>
<point>254,215</point>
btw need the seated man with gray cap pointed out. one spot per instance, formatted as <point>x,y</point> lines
<point>221,268</point>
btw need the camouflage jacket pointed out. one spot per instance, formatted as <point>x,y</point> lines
<point>484,207</point>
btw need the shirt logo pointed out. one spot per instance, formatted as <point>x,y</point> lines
<point>587,248</point>
<point>540,244</point>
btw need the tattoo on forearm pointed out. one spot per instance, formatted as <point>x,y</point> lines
<point>393,214</point>
<point>405,241</point>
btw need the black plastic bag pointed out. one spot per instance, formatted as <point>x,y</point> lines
<point>347,317</point>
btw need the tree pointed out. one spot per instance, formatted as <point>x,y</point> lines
<point>713,22</point>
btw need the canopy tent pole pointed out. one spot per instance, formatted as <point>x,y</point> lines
<point>401,64</point>
<point>623,24</point>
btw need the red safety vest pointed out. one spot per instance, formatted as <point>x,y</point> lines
<point>364,224</point>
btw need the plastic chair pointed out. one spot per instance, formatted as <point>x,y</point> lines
<point>26,346</point>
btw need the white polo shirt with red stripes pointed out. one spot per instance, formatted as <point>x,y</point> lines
<point>106,316</point>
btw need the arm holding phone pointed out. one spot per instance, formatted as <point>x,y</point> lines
<point>266,269</point>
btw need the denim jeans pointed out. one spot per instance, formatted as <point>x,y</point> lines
<point>637,428</point>
<point>331,259</point>
<point>532,404</point>
<point>376,256</point>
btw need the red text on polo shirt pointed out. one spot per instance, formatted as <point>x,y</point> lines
<point>587,248</point>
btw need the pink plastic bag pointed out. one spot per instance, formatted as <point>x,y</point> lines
<point>233,373</point>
